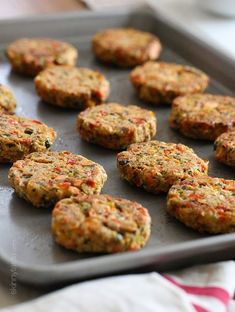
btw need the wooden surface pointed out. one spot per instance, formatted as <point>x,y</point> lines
<point>17,8</point>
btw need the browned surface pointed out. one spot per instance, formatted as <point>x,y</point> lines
<point>16,8</point>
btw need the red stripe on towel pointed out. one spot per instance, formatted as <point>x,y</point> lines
<point>216,292</point>
<point>199,308</point>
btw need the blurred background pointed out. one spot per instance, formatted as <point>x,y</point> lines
<point>211,20</point>
<point>14,8</point>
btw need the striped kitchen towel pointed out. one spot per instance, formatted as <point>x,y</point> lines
<point>206,288</point>
<point>209,287</point>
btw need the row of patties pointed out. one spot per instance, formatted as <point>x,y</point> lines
<point>82,219</point>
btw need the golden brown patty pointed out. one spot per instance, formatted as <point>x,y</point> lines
<point>7,100</point>
<point>125,47</point>
<point>203,116</point>
<point>20,136</point>
<point>72,87</point>
<point>116,126</point>
<point>30,56</point>
<point>45,178</point>
<point>156,165</point>
<point>157,82</point>
<point>100,223</point>
<point>225,148</point>
<point>205,204</point>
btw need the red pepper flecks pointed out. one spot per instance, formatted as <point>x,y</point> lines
<point>139,121</point>
<point>157,165</point>
<point>90,183</point>
<point>72,87</point>
<point>36,122</point>
<point>196,196</point>
<point>204,204</point>
<point>103,113</point>
<point>116,126</point>
<point>26,141</point>
<point>49,174</point>
<point>57,169</point>
<point>14,132</point>
<point>65,185</point>
<point>31,56</point>
<point>50,183</point>
<point>71,162</point>
<point>98,94</point>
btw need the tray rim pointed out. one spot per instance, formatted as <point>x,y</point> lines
<point>38,274</point>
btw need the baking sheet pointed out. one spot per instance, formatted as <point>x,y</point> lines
<point>25,239</point>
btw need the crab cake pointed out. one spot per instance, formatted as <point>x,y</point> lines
<point>7,101</point>
<point>45,178</point>
<point>203,116</point>
<point>161,82</point>
<point>156,165</point>
<point>100,223</point>
<point>30,56</point>
<point>205,204</point>
<point>225,148</point>
<point>125,47</point>
<point>71,87</point>
<point>20,136</point>
<point>116,126</point>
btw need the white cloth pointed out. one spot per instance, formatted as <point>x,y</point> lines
<point>200,288</point>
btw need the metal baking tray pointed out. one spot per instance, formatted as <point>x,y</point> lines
<point>26,243</point>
